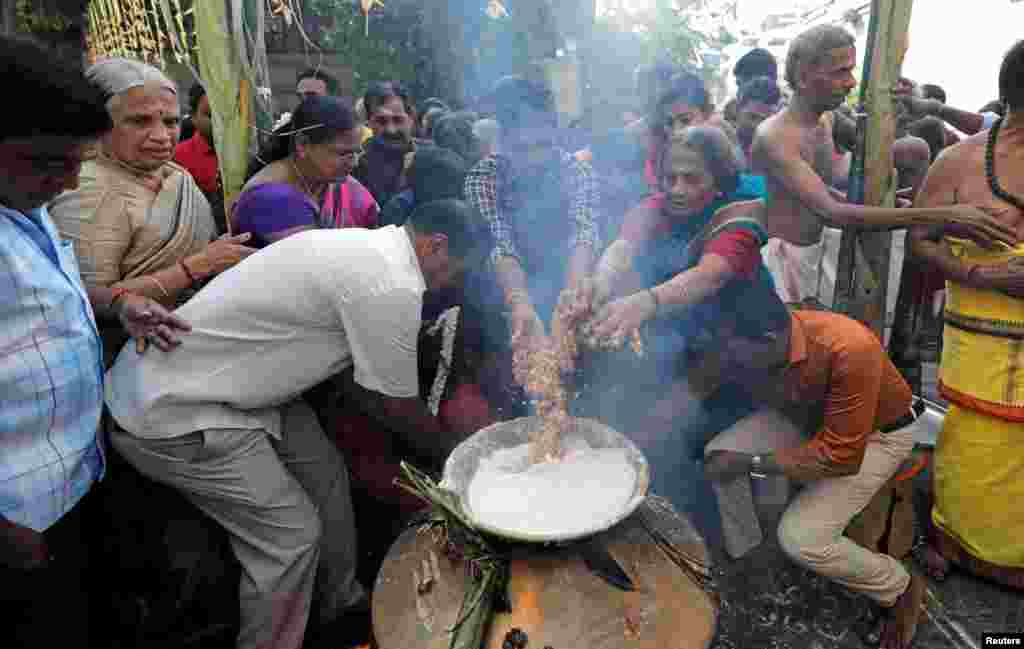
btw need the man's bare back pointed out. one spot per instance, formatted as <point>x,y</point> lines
<point>785,216</point>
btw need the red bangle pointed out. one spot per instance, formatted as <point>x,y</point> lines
<point>116,294</point>
<point>188,273</point>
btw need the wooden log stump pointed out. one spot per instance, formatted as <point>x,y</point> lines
<point>555,598</point>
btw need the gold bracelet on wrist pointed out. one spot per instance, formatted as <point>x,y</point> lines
<point>516,296</point>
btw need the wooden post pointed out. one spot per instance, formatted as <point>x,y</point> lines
<point>862,276</point>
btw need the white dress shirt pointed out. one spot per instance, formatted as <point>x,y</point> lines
<point>283,320</point>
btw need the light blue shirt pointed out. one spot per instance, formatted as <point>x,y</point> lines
<point>51,374</point>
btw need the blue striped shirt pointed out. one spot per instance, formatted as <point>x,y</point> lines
<point>51,374</point>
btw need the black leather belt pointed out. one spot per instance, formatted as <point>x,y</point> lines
<point>917,408</point>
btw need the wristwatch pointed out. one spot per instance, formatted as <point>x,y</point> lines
<point>757,467</point>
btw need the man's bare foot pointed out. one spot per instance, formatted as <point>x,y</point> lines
<point>901,619</point>
<point>869,627</point>
<point>935,564</point>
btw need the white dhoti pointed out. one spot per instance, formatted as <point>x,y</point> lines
<point>802,272</point>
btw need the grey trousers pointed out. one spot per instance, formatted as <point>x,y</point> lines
<point>287,507</point>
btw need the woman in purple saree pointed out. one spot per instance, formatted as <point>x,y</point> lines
<point>305,182</point>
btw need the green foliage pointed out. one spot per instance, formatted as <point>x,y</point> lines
<point>38,21</point>
<point>662,32</point>
<point>390,51</point>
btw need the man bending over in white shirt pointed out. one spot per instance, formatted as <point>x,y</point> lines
<point>222,419</point>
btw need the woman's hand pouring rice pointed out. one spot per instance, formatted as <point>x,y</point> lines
<point>621,318</point>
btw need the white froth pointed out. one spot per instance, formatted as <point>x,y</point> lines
<point>555,499</point>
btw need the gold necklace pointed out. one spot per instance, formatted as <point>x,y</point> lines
<point>305,184</point>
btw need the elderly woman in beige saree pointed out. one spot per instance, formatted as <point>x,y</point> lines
<point>137,220</point>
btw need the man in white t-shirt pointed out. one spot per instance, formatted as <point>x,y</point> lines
<point>222,418</point>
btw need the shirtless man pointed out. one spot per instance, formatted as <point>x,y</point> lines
<point>976,521</point>
<point>793,150</point>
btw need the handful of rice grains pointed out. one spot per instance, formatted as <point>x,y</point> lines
<point>540,363</point>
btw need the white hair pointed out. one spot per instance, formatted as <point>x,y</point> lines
<point>116,76</point>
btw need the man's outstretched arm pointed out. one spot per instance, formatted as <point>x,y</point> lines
<point>782,160</point>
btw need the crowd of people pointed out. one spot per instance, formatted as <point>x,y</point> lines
<point>360,302</point>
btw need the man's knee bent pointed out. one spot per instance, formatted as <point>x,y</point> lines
<point>301,535</point>
<point>801,543</point>
<point>310,533</point>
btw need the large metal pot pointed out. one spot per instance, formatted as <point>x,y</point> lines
<point>462,465</point>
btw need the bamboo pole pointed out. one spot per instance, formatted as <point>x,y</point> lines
<point>863,268</point>
<point>229,91</point>
<point>245,117</point>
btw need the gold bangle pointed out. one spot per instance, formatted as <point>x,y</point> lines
<point>516,296</point>
<point>160,286</point>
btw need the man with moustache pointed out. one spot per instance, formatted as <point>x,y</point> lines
<point>392,119</point>
<point>793,150</point>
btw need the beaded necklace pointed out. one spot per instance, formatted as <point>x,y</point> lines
<point>990,168</point>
